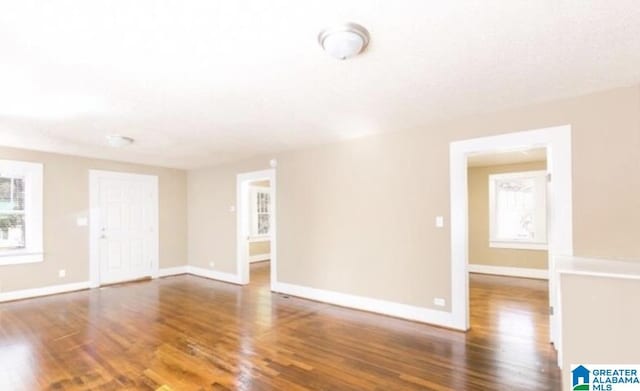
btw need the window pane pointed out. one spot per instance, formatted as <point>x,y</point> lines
<point>263,224</point>
<point>18,193</point>
<point>5,190</point>
<point>12,232</point>
<point>516,207</point>
<point>11,194</point>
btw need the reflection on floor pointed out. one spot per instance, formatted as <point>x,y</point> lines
<point>260,274</point>
<point>191,333</point>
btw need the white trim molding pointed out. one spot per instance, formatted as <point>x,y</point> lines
<point>540,274</point>
<point>172,271</point>
<point>199,271</point>
<point>259,257</point>
<point>518,245</point>
<point>19,258</point>
<point>214,274</point>
<point>557,141</point>
<point>398,310</point>
<point>44,291</point>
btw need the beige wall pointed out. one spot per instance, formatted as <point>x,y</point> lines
<point>600,321</point>
<point>259,248</point>
<point>358,216</point>
<point>479,251</point>
<point>66,197</point>
<point>212,225</point>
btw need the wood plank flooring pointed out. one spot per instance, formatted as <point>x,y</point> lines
<point>190,333</point>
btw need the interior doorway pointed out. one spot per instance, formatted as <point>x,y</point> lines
<point>557,143</point>
<point>256,236</point>
<point>507,254</point>
<point>507,198</point>
<point>123,227</point>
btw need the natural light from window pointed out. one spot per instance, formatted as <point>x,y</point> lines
<point>20,212</point>
<point>518,210</point>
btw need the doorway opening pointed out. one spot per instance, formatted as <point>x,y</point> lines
<point>123,232</point>
<point>556,142</point>
<point>507,198</point>
<point>256,236</point>
<point>507,248</point>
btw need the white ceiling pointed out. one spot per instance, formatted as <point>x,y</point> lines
<point>203,82</point>
<point>509,157</point>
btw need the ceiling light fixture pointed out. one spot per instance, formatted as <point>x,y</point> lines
<point>117,141</point>
<point>344,41</point>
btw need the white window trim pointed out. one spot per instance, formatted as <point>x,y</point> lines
<point>495,242</point>
<point>32,172</point>
<point>518,245</point>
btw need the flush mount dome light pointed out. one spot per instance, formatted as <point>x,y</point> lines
<point>117,141</point>
<point>344,41</point>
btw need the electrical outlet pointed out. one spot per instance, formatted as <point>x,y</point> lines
<point>212,264</point>
<point>440,302</point>
<point>62,273</point>
<point>232,208</point>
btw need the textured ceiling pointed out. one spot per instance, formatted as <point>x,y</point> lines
<point>203,82</point>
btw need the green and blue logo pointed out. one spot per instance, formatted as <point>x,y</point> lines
<point>600,377</point>
<point>580,378</point>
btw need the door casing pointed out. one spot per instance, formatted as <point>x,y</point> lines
<point>557,141</point>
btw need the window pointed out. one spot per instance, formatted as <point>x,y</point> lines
<point>20,212</point>
<point>517,210</point>
<point>260,212</point>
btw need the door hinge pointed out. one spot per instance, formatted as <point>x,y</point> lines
<point>550,310</point>
<point>548,177</point>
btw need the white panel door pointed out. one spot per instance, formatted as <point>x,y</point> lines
<point>127,223</point>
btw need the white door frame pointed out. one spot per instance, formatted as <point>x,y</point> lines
<point>242,223</point>
<point>94,221</point>
<point>557,141</point>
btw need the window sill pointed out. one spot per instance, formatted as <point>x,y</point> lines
<point>519,245</point>
<point>261,238</point>
<point>20,258</point>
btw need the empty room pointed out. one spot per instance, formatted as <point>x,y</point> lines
<point>337,195</point>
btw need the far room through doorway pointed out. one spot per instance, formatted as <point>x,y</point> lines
<point>256,236</point>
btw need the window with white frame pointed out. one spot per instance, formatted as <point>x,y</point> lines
<point>517,210</point>
<point>20,212</point>
<point>260,212</point>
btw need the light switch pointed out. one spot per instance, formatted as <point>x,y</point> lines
<point>439,221</point>
<point>82,221</point>
<point>232,208</point>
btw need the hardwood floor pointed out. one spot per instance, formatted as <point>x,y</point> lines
<point>190,333</point>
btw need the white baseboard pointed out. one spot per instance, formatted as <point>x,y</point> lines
<point>213,274</point>
<point>260,257</point>
<point>542,274</point>
<point>398,310</point>
<point>165,272</point>
<point>172,271</point>
<point>199,271</point>
<point>44,291</point>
